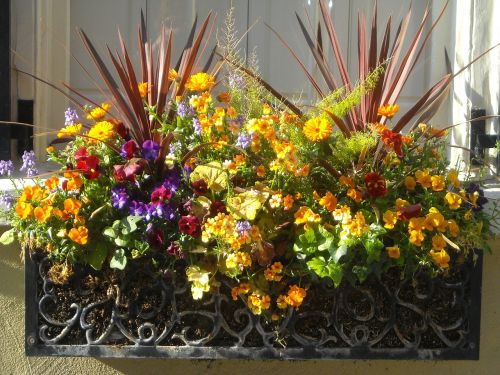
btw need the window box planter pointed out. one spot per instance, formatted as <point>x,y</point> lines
<point>157,317</point>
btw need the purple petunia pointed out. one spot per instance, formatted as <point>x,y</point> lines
<point>119,197</point>
<point>6,167</point>
<point>150,150</point>
<point>70,116</point>
<point>29,160</point>
<point>244,140</point>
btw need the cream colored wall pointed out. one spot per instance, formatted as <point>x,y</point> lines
<point>13,360</point>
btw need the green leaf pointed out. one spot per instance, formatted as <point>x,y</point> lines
<point>122,241</point>
<point>318,265</point>
<point>336,273</point>
<point>338,253</point>
<point>214,175</point>
<point>97,256</point>
<point>7,237</point>
<point>373,248</point>
<point>361,272</point>
<point>129,224</point>
<point>109,232</point>
<point>119,260</point>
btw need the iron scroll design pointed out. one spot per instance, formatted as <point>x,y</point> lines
<point>151,316</point>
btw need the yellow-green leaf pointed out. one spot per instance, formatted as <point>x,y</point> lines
<point>245,206</point>
<point>214,175</point>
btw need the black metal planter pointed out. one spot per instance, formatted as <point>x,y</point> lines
<point>156,317</point>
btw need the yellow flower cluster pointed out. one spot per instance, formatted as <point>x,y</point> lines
<point>222,227</point>
<point>200,82</point>
<point>239,260</point>
<point>294,298</point>
<point>257,302</point>
<point>101,131</point>
<point>275,272</point>
<point>305,215</point>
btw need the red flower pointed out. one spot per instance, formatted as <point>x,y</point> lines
<point>189,225</point>
<point>89,165</point>
<point>375,185</point>
<point>156,238</point>
<point>81,153</point>
<point>129,149</point>
<point>394,141</point>
<point>160,194</point>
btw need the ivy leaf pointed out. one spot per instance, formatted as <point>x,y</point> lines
<point>97,256</point>
<point>318,265</point>
<point>245,206</point>
<point>7,237</point>
<point>122,241</point>
<point>119,260</point>
<point>129,224</point>
<point>109,232</point>
<point>373,248</point>
<point>214,175</point>
<point>338,253</point>
<point>361,272</point>
<point>336,273</point>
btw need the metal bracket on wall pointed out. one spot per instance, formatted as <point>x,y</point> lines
<point>480,141</point>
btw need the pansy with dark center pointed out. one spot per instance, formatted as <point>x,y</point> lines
<point>150,150</point>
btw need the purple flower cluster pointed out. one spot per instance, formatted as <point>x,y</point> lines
<point>119,197</point>
<point>243,228</point>
<point>150,150</point>
<point>244,140</point>
<point>70,116</point>
<point>29,160</point>
<point>236,81</point>
<point>7,201</point>
<point>196,126</point>
<point>183,110</point>
<point>6,167</point>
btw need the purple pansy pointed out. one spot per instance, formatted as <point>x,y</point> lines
<point>119,197</point>
<point>150,150</point>
<point>137,208</point>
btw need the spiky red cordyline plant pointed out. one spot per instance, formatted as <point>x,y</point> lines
<point>399,66</point>
<point>128,103</point>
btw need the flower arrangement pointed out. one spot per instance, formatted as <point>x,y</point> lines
<point>241,185</point>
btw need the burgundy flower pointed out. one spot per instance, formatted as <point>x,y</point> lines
<point>160,194</point>
<point>217,207</point>
<point>129,149</point>
<point>375,185</point>
<point>122,131</point>
<point>120,174</point>
<point>174,250</point>
<point>408,212</point>
<point>155,238</point>
<point>200,186</point>
<point>189,225</point>
<point>89,165</point>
